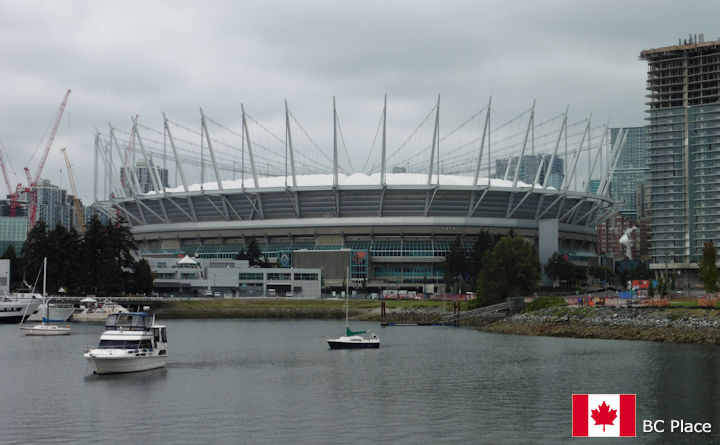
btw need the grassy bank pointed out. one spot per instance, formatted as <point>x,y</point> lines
<point>289,308</point>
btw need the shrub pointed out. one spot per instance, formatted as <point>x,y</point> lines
<point>543,302</point>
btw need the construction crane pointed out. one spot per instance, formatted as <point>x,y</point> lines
<point>12,193</point>
<point>32,181</point>
<point>76,201</point>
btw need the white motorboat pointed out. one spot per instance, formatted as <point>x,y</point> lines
<point>131,342</point>
<point>45,328</point>
<point>13,309</point>
<point>93,311</point>
<point>353,339</point>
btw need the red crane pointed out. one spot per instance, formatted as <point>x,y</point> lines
<point>32,182</point>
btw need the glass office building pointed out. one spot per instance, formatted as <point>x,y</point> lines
<point>13,232</point>
<point>631,171</point>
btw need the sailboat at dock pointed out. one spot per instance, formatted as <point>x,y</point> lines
<point>353,339</point>
<point>45,328</point>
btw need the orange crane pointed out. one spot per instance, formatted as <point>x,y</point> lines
<point>76,201</point>
<point>32,182</point>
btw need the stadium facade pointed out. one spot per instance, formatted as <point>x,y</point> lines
<point>391,230</point>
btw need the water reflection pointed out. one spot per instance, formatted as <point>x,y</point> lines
<point>269,382</point>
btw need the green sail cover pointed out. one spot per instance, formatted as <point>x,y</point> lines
<point>349,333</point>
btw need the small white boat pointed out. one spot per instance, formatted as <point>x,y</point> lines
<point>353,339</point>
<point>92,311</point>
<point>45,328</point>
<point>131,342</point>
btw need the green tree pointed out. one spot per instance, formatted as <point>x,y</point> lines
<point>560,269</point>
<point>64,263</point>
<point>599,272</point>
<point>484,243</point>
<point>708,271</point>
<point>579,274</point>
<point>455,265</point>
<point>35,249</point>
<point>109,253</point>
<point>97,266</point>
<point>251,253</point>
<point>511,269</point>
<point>144,277</point>
<point>122,249</point>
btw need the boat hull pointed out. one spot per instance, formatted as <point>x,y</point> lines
<point>336,344</point>
<point>10,318</point>
<point>112,365</point>
<point>90,318</point>
<point>14,311</point>
<point>46,330</point>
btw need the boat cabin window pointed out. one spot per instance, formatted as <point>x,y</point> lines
<point>119,344</point>
<point>125,344</point>
<point>129,321</point>
<point>163,335</point>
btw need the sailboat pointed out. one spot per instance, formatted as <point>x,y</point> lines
<point>45,328</point>
<point>353,339</point>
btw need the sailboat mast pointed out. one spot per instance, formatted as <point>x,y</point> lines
<point>347,296</point>
<point>44,276</point>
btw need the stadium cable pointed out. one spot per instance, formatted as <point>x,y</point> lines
<point>372,147</point>
<point>342,138</point>
<point>309,138</point>
<point>430,113</point>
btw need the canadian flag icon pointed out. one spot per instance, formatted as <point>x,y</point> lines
<point>603,415</point>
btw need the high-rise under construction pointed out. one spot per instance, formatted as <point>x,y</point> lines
<point>684,138</point>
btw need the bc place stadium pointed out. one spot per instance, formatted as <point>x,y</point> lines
<point>202,191</point>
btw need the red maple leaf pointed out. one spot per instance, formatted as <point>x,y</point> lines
<point>604,415</point>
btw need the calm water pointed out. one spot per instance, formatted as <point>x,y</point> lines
<point>275,382</point>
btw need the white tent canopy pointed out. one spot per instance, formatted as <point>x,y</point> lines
<point>186,260</point>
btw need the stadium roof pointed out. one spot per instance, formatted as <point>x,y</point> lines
<point>356,179</point>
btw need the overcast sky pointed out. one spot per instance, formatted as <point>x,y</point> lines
<point>145,57</point>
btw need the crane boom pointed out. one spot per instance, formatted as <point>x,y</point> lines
<point>56,124</point>
<point>12,193</point>
<point>76,201</point>
<point>5,175</point>
<point>33,183</point>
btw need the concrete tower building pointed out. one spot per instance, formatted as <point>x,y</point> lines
<point>684,139</point>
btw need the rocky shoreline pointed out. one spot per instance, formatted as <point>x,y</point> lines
<point>676,325</point>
